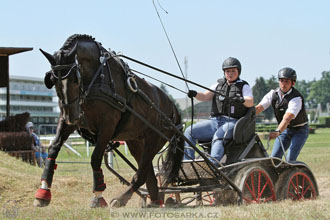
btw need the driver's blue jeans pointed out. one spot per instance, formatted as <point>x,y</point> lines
<point>292,139</point>
<point>215,129</point>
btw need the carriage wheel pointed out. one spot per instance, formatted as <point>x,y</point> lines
<point>296,184</point>
<point>256,185</point>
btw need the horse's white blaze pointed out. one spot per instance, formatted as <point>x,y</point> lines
<point>65,89</point>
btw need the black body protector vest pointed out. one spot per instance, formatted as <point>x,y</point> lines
<point>222,104</point>
<point>280,107</point>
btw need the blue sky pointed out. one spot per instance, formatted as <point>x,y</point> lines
<point>264,35</point>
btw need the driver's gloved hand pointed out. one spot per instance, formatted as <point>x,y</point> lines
<point>192,93</point>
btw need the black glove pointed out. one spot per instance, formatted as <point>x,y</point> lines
<point>192,93</point>
<point>238,99</point>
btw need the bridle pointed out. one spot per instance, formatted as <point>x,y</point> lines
<point>74,67</point>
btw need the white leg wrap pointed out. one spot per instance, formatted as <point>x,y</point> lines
<point>44,184</point>
<point>98,194</point>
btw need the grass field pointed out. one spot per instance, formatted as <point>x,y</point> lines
<point>72,190</point>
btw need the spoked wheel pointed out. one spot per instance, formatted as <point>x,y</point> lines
<point>204,198</point>
<point>256,185</point>
<point>296,184</point>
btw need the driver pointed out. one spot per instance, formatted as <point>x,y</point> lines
<point>290,113</point>
<point>230,103</point>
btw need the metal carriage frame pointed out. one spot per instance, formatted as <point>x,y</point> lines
<point>248,176</point>
<point>258,180</point>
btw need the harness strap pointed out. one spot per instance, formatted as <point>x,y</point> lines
<point>99,70</point>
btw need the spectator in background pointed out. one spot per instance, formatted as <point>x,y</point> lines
<point>40,150</point>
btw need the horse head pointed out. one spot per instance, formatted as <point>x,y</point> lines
<point>65,75</point>
<point>72,69</point>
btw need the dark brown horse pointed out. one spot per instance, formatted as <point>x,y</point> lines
<point>104,101</point>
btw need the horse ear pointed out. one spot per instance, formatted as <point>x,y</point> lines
<point>49,57</point>
<point>48,80</point>
<point>72,52</point>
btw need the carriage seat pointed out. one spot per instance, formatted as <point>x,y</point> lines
<point>244,130</point>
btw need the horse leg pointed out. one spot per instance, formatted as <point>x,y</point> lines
<point>152,187</point>
<point>145,166</point>
<point>135,148</point>
<point>43,195</point>
<point>98,185</point>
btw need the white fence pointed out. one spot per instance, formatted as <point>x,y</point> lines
<point>75,136</point>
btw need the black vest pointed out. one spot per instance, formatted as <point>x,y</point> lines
<point>221,104</point>
<point>280,107</point>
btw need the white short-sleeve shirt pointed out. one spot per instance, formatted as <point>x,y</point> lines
<point>294,105</point>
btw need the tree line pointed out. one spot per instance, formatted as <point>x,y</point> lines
<point>314,92</point>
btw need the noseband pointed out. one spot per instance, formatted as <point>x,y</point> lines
<point>63,67</point>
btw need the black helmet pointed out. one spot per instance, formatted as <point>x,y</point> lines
<point>232,62</point>
<point>287,73</point>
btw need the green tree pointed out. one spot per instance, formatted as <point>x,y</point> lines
<point>304,88</point>
<point>271,83</point>
<point>259,89</point>
<point>320,90</point>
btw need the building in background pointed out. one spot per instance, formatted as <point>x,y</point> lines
<point>202,110</point>
<point>29,94</point>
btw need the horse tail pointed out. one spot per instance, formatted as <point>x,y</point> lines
<point>173,160</point>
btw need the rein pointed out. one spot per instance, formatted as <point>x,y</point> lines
<point>167,73</point>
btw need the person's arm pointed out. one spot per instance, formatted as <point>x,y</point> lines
<point>38,145</point>
<point>288,116</point>
<point>248,101</point>
<point>42,147</point>
<point>35,143</point>
<point>265,102</point>
<point>204,96</point>
<point>259,109</point>
<point>247,96</point>
<point>291,113</point>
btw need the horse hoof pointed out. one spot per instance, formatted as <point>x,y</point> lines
<point>40,202</point>
<point>156,204</point>
<point>98,203</point>
<point>115,203</point>
<point>170,202</point>
<point>42,198</point>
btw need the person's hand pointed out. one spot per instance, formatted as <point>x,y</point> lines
<point>273,134</point>
<point>192,93</point>
<point>238,99</point>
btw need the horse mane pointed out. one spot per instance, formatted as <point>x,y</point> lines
<point>74,38</point>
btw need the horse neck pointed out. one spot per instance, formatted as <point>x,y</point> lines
<point>88,56</point>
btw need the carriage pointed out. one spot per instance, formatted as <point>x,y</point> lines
<point>246,174</point>
<point>106,102</point>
